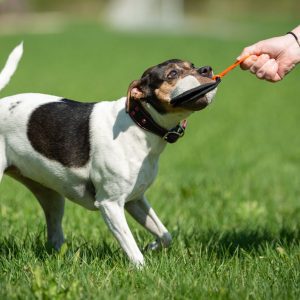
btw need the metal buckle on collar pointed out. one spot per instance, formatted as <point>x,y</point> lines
<point>174,134</point>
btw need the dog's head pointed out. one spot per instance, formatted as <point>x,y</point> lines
<point>163,82</point>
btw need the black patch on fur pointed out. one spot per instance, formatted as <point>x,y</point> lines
<point>60,131</point>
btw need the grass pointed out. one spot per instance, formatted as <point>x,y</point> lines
<point>229,191</point>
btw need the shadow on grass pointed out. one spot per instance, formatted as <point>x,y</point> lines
<point>221,244</point>
<point>234,242</point>
<point>33,245</point>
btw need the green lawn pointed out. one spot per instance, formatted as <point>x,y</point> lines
<point>229,191</point>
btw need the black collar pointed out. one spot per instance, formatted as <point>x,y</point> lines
<point>143,119</point>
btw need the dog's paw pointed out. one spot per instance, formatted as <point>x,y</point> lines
<point>154,246</point>
<point>55,246</point>
<point>162,242</point>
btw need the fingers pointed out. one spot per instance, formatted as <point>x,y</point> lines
<point>263,67</point>
<point>269,71</point>
<point>250,61</point>
<point>259,63</point>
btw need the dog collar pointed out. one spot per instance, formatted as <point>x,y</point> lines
<point>144,120</point>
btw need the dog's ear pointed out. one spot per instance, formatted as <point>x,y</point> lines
<point>135,92</point>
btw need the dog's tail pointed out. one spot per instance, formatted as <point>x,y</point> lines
<point>11,65</point>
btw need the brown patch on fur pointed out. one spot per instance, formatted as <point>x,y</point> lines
<point>186,65</point>
<point>164,91</point>
<point>163,96</point>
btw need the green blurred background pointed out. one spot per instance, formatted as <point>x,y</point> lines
<point>228,191</point>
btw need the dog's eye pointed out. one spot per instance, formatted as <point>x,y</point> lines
<point>173,74</point>
<point>192,66</point>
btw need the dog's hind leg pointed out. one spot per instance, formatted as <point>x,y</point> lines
<point>52,204</point>
<point>143,213</point>
<point>3,160</point>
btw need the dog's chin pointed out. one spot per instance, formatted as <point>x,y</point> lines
<point>199,103</point>
<point>196,105</point>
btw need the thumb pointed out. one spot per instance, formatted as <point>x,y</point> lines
<point>250,50</point>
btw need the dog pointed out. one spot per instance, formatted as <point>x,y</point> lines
<point>103,155</point>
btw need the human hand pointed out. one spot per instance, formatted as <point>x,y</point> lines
<point>273,58</point>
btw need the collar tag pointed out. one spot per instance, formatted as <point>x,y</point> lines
<point>175,133</point>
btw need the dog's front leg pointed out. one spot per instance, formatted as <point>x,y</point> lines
<point>142,212</point>
<point>114,216</point>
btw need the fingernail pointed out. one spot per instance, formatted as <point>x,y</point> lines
<point>252,70</point>
<point>259,74</point>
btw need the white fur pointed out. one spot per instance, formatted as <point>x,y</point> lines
<point>123,163</point>
<point>210,95</point>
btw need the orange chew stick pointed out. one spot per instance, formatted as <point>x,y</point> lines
<point>238,62</point>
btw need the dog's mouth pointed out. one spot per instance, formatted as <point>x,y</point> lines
<point>195,98</point>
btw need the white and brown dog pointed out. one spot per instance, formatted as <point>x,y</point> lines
<point>102,156</point>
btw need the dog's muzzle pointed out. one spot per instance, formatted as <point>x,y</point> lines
<point>195,93</point>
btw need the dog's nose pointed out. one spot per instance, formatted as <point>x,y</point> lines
<point>205,71</point>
